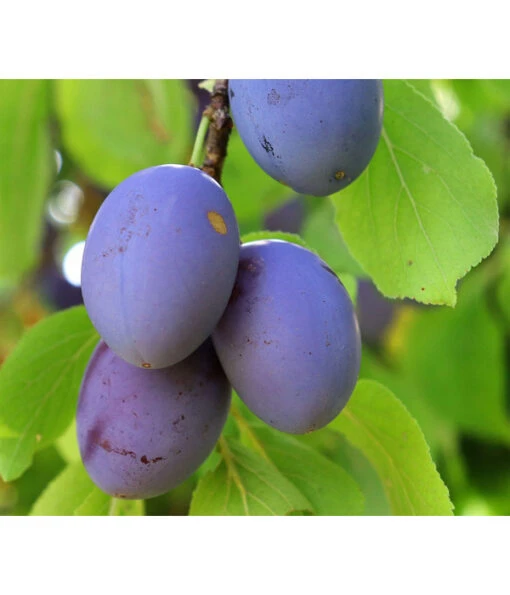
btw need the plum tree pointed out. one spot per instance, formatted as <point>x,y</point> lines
<point>143,432</point>
<point>159,264</point>
<point>289,340</point>
<point>316,136</point>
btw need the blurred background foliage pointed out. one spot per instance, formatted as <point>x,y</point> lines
<point>65,144</point>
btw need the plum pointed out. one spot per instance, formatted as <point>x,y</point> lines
<point>289,339</point>
<point>287,217</point>
<point>316,136</point>
<point>159,264</point>
<point>143,432</point>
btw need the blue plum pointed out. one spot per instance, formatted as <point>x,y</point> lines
<point>287,217</point>
<point>316,136</point>
<point>159,264</point>
<point>289,340</point>
<point>375,312</point>
<point>143,432</point>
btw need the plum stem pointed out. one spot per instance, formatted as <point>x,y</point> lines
<point>215,128</point>
<point>198,147</point>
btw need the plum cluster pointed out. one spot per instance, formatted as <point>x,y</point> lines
<point>185,312</point>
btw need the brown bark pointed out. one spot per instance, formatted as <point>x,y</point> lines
<point>219,131</point>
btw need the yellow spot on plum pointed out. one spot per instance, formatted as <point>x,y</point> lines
<point>146,365</point>
<point>339,175</point>
<point>217,222</point>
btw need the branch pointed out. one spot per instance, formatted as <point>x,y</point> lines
<point>220,128</point>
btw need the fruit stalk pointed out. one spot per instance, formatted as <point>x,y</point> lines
<point>219,130</point>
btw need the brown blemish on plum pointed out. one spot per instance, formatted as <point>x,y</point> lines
<point>106,253</point>
<point>273,98</point>
<point>217,222</point>
<point>252,265</point>
<point>266,145</point>
<point>106,445</point>
<point>146,365</point>
<point>339,175</point>
<point>147,461</point>
<point>234,296</point>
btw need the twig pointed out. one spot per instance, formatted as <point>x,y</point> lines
<point>220,128</point>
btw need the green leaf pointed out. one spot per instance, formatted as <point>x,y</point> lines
<point>72,493</point>
<point>424,211</point>
<point>329,488</point>
<point>120,507</point>
<point>114,128</point>
<point>377,423</point>
<point>207,84</point>
<point>251,191</point>
<point>67,444</point>
<point>423,86</point>
<point>6,432</point>
<point>488,137</point>
<point>322,235</point>
<point>39,384</point>
<point>335,447</point>
<point>245,484</point>
<point>483,95</point>
<point>372,368</point>
<point>15,457</point>
<point>503,286</point>
<point>47,464</point>
<point>456,362</point>
<point>26,169</point>
<point>97,503</point>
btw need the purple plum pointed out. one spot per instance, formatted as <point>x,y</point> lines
<point>159,264</point>
<point>316,136</point>
<point>289,340</point>
<point>143,432</point>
